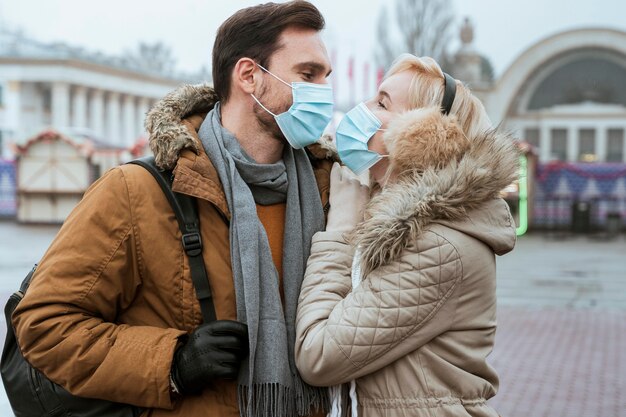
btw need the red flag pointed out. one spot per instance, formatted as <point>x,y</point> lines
<point>380,74</point>
<point>351,78</point>
<point>351,68</point>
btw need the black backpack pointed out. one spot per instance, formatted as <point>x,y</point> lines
<point>31,394</point>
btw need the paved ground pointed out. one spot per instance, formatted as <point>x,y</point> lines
<point>574,272</point>
<point>561,341</point>
<point>560,362</point>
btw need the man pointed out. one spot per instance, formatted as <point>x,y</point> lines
<point>111,312</point>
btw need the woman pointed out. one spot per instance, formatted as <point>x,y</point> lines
<point>402,300</point>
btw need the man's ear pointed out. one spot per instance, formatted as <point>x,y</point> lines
<point>246,76</point>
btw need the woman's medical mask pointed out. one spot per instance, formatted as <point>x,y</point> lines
<point>354,131</point>
<point>308,116</point>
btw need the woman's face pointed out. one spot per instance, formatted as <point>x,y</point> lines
<point>392,99</point>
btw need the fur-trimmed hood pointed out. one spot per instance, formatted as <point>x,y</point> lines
<point>169,135</point>
<point>442,177</point>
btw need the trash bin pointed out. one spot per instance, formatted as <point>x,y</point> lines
<point>613,224</point>
<point>581,217</point>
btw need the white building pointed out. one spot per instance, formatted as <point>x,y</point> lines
<point>566,94</point>
<point>58,86</point>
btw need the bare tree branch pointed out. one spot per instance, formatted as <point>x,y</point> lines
<point>155,57</point>
<point>386,51</point>
<point>423,27</point>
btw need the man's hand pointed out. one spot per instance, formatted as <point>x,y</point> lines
<point>213,351</point>
<point>348,196</point>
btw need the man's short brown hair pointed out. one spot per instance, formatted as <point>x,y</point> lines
<point>253,32</point>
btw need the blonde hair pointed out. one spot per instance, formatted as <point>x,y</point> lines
<point>427,88</point>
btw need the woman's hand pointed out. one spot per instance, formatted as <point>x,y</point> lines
<point>348,196</point>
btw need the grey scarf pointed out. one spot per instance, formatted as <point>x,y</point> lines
<point>269,383</point>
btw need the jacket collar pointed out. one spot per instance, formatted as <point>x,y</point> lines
<point>170,125</point>
<point>196,176</point>
<point>457,185</point>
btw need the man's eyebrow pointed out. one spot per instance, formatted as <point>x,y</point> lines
<point>315,66</point>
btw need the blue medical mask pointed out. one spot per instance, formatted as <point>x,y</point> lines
<point>308,116</point>
<point>354,131</point>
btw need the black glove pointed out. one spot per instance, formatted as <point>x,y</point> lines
<point>213,351</point>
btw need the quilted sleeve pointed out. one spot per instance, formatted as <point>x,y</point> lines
<point>342,335</point>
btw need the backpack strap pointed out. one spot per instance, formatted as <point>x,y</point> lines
<point>186,213</point>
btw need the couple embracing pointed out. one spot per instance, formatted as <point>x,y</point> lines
<point>351,276</point>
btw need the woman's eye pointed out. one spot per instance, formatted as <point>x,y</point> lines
<point>307,75</point>
<point>381,105</point>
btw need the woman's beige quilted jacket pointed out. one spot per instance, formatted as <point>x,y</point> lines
<point>417,332</point>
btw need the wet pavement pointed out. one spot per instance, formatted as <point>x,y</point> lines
<point>561,341</point>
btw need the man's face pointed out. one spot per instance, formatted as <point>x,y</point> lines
<point>301,58</point>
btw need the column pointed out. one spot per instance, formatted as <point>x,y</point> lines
<point>60,105</point>
<point>113,134</point>
<point>142,109</point>
<point>601,143</point>
<point>545,136</point>
<point>573,143</point>
<point>79,107</point>
<point>96,112</point>
<point>30,118</point>
<point>130,125</point>
<point>13,106</point>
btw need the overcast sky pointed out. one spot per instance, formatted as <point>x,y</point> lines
<point>503,28</point>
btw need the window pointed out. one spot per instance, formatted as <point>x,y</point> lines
<point>615,145</point>
<point>558,144</point>
<point>531,136</point>
<point>1,96</point>
<point>587,145</point>
<point>599,80</point>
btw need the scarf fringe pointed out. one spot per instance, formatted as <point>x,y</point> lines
<point>272,399</point>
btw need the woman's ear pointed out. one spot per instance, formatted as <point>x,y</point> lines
<point>424,138</point>
<point>245,78</point>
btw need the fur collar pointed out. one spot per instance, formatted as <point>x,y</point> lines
<point>169,134</point>
<point>443,176</point>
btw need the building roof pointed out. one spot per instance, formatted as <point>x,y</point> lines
<point>82,140</point>
<point>16,45</point>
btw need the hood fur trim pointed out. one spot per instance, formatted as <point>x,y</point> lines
<point>437,181</point>
<point>424,138</point>
<point>168,135</point>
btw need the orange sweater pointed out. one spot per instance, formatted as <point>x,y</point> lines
<point>273,219</point>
